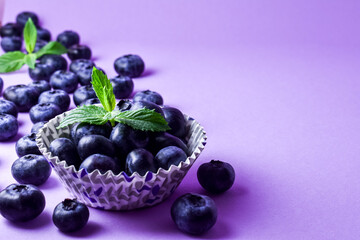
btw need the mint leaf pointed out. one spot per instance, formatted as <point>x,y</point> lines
<point>30,35</point>
<point>30,60</point>
<point>143,119</point>
<point>103,89</point>
<point>11,61</point>
<point>88,114</point>
<point>52,47</point>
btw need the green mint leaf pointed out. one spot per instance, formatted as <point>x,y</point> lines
<point>30,60</point>
<point>52,47</point>
<point>143,119</point>
<point>11,61</point>
<point>87,114</point>
<point>30,35</point>
<point>103,89</point>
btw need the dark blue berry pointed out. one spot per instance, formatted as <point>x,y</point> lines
<point>44,112</point>
<point>68,38</point>
<point>10,30</point>
<point>100,162</point>
<point>149,105</point>
<point>1,85</point>
<point>65,149</point>
<point>36,127</point>
<point>79,52</point>
<point>9,44</point>
<point>70,215</point>
<point>84,75</point>
<point>123,86</point>
<point>216,176</point>
<point>194,213</point>
<point>43,34</point>
<point>23,17</point>
<point>149,96</point>
<point>83,93</point>
<point>31,169</point>
<point>176,121</point>
<point>41,72</point>
<point>8,107</point>
<point>170,156</point>
<point>39,45</point>
<point>27,145</point>
<point>57,62</point>
<point>91,144</point>
<point>90,101</point>
<point>164,139</point>
<point>40,85</point>
<point>129,65</point>
<point>79,64</point>
<point>58,97</point>
<point>67,81</point>
<point>8,126</point>
<point>123,105</point>
<point>80,130</point>
<point>22,95</point>
<point>141,161</point>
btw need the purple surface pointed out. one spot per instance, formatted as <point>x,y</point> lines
<point>274,83</point>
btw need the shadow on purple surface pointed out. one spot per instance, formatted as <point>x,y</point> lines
<point>147,73</point>
<point>15,138</point>
<point>90,229</point>
<point>40,222</point>
<point>51,183</point>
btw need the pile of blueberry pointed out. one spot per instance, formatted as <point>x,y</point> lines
<point>90,147</point>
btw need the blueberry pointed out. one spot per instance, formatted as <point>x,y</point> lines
<point>67,81</point>
<point>79,64</point>
<point>10,30</point>
<point>176,121</point>
<point>58,96</point>
<point>79,52</point>
<point>91,144</point>
<point>44,112</point>
<point>31,169</point>
<point>39,45</point>
<point>100,162</point>
<point>23,17</point>
<point>149,96</point>
<point>216,176</point>
<point>66,150</point>
<point>9,44</point>
<point>164,139</point>
<point>84,75</point>
<point>70,215</point>
<point>170,155</point>
<point>90,101</point>
<point>68,38</point>
<point>123,86</point>
<point>140,160</point>
<point>41,72</point>
<point>36,127</point>
<point>27,145</point>
<point>57,62</point>
<point>149,105</point>
<point>43,34</point>
<point>80,130</point>
<point>83,93</point>
<point>40,85</point>
<point>8,107</point>
<point>8,126</point>
<point>123,105</point>
<point>23,96</point>
<point>129,65</point>
<point>194,213</point>
<point>1,84</point>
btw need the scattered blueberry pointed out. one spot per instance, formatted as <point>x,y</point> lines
<point>80,130</point>
<point>43,34</point>
<point>84,75</point>
<point>44,112</point>
<point>78,51</point>
<point>27,145</point>
<point>10,30</point>
<point>123,105</point>
<point>68,38</point>
<point>39,45</point>
<point>163,139</point>
<point>31,169</point>
<point>22,95</point>
<point>194,213</point>
<point>149,96</point>
<point>9,44</point>
<point>90,101</point>
<point>70,215</point>
<point>1,85</point>
<point>8,107</point>
<point>41,71</point>
<point>79,64</point>
<point>176,121</point>
<point>140,160</point>
<point>36,127</point>
<point>144,104</point>
<point>23,17</point>
<point>40,85</point>
<point>100,162</point>
<point>67,81</point>
<point>83,93</point>
<point>91,144</point>
<point>216,176</point>
<point>65,149</point>
<point>8,126</point>
<point>123,86</point>
<point>58,96</point>
<point>57,62</point>
<point>170,155</point>
<point>129,65</point>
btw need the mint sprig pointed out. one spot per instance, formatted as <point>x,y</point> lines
<point>142,119</point>
<point>13,61</point>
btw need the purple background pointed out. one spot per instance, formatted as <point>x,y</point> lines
<point>274,83</point>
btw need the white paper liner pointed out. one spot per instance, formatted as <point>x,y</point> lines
<point>120,192</point>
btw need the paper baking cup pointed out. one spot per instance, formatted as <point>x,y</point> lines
<point>119,192</point>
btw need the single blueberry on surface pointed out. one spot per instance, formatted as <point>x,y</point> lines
<point>23,17</point>
<point>27,145</point>
<point>67,81</point>
<point>149,96</point>
<point>21,203</point>
<point>100,162</point>
<point>79,64</point>
<point>70,215</point>
<point>83,93</point>
<point>43,34</point>
<point>163,139</point>
<point>170,155</point>
<point>44,112</point>
<point>40,85</point>
<point>216,176</point>
<point>66,151</point>
<point>9,44</point>
<point>78,51</point>
<point>194,213</point>
<point>68,38</point>
<point>129,65</point>
<point>22,95</point>
<point>79,130</point>
<point>41,71</point>
<point>141,161</point>
<point>8,107</point>
<point>58,97</point>
<point>84,75</point>
<point>176,121</point>
<point>90,101</point>
<point>149,105</point>
<point>92,144</point>
<point>8,126</point>
<point>57,62</point>
<point>36,127</point>
<point>39,45</point>
<point>123,86</point>
<point>10,30</point>
<point>31,169</point>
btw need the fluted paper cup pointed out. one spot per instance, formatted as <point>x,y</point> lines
<point>119,192</point>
